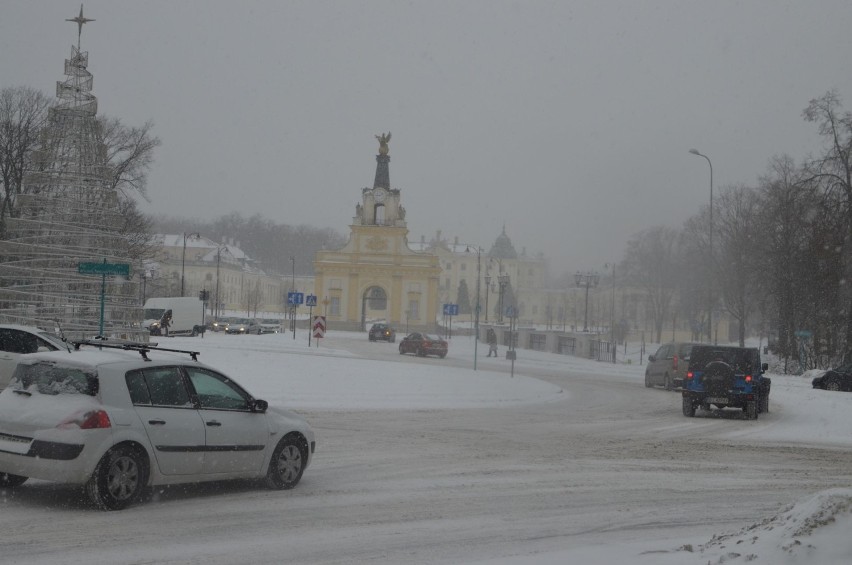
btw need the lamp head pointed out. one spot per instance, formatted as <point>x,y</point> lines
<point>694,151</point>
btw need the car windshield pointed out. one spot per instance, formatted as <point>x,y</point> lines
<point>48,378</point>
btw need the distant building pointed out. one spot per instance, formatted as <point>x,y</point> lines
<point>376,275</point>
<point>235,282</point>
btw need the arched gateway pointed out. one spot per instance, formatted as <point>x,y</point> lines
<point>376,275</point>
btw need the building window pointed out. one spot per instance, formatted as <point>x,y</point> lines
<point>414,309</point>
<point>335,306</point>
<point>538,342</point>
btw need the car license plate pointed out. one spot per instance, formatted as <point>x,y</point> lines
<point>715,400</point>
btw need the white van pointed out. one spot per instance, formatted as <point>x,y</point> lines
<point>187,315</point>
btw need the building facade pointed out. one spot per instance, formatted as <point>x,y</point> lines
<point>376,275</point>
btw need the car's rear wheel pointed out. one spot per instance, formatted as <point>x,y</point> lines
<point>287,464</point>
<point>443,355</point>
<point>8,480</point>
<point>119,479</point>
<point>832,385</point>
<point>648,383</point>
<point>751,410</point>
<point>688,408</point>
<point>667,380</point>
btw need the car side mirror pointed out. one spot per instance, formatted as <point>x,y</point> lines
<point>764,367</point>
<point>259,405</point>
<point>652,358</point>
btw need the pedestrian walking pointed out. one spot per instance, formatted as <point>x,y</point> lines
<point>165,322</point>
<point>491,338</point>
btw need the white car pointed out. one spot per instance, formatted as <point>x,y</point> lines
<point>270,325</point>
<point>118,421</point>
<point>19,340</point>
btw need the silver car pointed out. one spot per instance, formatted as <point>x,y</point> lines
<point>128,417</point>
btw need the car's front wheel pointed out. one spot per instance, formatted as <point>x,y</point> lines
<point>8,480</point>
<point>119,479</point>
<point>287,464</point>
<point>668,382</point>
<point>832,385</point>
<point>648,381</point>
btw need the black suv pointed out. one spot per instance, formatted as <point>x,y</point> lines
<point>382,332</point>
<point>726,377</point>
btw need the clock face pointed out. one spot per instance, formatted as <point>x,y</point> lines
<point>379,195</point>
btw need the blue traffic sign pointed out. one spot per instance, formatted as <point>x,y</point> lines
<point>451,309</point>
<point>295,298</point>
<point>311,300</point>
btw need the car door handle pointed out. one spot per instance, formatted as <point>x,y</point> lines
<point>157,422</point>
<point>213,423</point>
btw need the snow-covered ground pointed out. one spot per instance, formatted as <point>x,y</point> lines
<point>563,460</point>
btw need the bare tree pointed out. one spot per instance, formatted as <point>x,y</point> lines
<point>788,203</point>
<point>737,271</point>
<point>129,154</point>
<point>651,263</point>
<point>23,112</point>
<point>833,170</point>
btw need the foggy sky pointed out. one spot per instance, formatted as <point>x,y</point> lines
<point>567,122</point>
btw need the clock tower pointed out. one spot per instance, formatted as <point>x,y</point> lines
<point>376,276</point>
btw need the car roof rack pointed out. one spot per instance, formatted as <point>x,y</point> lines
<point>141,347</point>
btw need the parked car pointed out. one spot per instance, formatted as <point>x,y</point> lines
<point>839,378</point>
<point>131,416</point>
<point>270,325</point>
<point>244,326</point>
<point>19,340</point>
<point>217,325</point>
<point>423,344</point>
<point>667,367</point>
<point>382,332</point>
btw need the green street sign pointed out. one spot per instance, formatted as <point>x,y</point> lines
<point>122,269</point>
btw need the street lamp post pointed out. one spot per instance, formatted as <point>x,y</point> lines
<point>476,319</point>
<point>586,279</point>
<point>612,315</point>
<point>487,291</point>
<point>293,289</point>
<point>710,228</point>
<point>218,259</point>
<point>503,281</point>
<point>183,257</point>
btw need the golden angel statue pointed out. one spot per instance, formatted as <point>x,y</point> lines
<point>383,143</point>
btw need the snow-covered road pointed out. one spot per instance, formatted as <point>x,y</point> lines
<point>426,461</point>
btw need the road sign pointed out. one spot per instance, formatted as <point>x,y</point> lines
<point>311,300</point>
<point>295,298</point>
<point>122,269</point>
<point>510,312</point>
<point>318,326</point>
<point>451,309</point>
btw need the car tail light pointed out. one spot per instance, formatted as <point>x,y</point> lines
<point>90,420</point>
<point>748,378</point>
<point>674,362</point>
<point>689,374</point>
